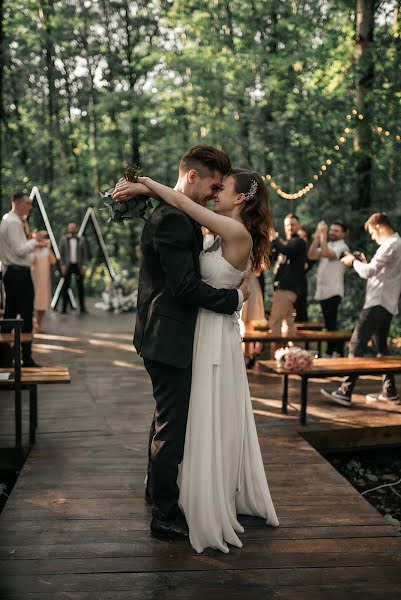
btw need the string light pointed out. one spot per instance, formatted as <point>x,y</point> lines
<point>328,162</point>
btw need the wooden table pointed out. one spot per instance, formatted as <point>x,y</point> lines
<point>300,336</point>
<point>331,367</point>
<point>31,377</point>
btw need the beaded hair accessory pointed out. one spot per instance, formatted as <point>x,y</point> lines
<point>252,190</point>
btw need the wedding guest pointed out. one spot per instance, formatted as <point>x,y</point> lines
<point>289,276</point>
<point>16,253</point>
<point>383,288</point>
<point>253,309</point>
<point>330,274</point>
<point>43,259</point>
<point>301,303</point>
<point>73,258</point>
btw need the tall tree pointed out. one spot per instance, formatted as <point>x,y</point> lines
<point>365,23</point>
<point>46,14</point>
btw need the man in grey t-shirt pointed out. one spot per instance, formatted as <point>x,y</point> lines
<point>330,274</point>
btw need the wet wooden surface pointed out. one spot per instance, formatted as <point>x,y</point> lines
<point>76,525</point>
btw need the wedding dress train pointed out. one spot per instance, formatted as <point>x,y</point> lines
<point>222,472</point>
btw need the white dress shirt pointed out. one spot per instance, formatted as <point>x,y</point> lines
<point>73,241</point>
<point>15,249</point>
<point>383,273</point>
<point>330,273</point>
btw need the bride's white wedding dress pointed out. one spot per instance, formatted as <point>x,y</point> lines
<point>222,472</point>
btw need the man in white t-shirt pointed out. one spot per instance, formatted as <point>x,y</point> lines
<point>330,274</point>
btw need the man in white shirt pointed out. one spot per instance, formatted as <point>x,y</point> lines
<point>73,259</point>
<point>16,252</point>
<point>330,274</point>
<point>383,274</point>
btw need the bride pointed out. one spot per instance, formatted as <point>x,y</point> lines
<point>222,473</point>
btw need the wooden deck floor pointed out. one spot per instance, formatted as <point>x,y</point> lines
<point>76,525</point>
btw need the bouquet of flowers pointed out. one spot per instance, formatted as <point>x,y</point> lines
<point>132,209</point>
<point>294,358</point>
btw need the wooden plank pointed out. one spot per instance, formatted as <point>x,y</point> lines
<point>8,338</point>
<point>218,580</point>
<point>235,591</point>
<point>299,336</point>
<point>239,560</point>
<point>38,375</point>
<point>145,546</point>
<point>41,534</point>
<point>300,325</point>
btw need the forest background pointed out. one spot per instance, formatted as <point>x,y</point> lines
<point>89,86</point>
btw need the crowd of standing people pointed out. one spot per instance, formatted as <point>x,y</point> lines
<point>293,260</point>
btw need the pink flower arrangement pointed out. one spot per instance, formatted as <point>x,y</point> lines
<point>294,359</point>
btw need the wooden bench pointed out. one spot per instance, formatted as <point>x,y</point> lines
<point>8,338</point>
<point>331,367</point>
<point>301,325</point>
<point>30,379</point>
<point>305,337</point>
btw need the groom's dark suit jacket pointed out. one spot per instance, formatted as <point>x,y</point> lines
<point>171,290</point>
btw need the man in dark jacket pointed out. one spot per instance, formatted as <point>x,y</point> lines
<point>73,259</point>
<point>289,276</point>
<point>170,293</point>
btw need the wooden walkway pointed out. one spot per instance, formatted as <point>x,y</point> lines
<point>76,526</point>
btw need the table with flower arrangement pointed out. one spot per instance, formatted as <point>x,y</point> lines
<point>327,367</point>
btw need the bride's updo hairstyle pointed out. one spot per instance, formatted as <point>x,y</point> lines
<point>255,214</point>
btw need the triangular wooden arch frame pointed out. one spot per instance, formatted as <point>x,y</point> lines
<point>89,216</point>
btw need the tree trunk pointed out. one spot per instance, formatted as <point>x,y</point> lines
<point>245,130</point>
<point>111,60</point>
<point>47,9</point>
<point>364,83</point>
<point>92,99</point>
<point>132,78</point>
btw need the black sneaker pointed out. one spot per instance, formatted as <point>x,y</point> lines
<point>337,397</point>
<point>32,364</point>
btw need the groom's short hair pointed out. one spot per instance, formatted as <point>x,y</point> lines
<point>205,159</point>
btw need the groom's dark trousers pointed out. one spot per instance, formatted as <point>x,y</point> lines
<point>170,293</point>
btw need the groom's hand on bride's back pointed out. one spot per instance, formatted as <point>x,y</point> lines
<point>244,287</point>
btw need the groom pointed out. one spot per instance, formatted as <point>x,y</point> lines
<point>170,293</point>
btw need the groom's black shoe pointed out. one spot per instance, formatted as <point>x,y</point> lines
<point>170,530</point>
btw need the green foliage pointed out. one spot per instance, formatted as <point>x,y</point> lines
<point>92,85</point>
